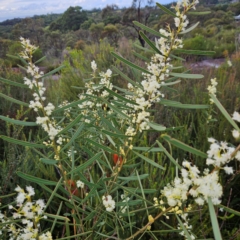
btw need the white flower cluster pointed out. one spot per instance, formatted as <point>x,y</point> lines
<point>28,48</point>
<point>149,92</point>
<point>188,227</point>
<point>212,88</point>
<point>219,154</point>
<point>205,186</point>
<point>46,236</point>
<point>236,132</point>
<point>37,104</point>
<point>67,111</point>
<point>229,63</point>
<point>108,203</point>
<point>125,199</point>
<point>236,116</point>
<point>94,66</point>
<point>80,184</point>
<point>91,104</point>
<point>29,213</point>
<point>70,152</point>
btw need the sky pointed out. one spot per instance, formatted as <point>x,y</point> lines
<point>27,8</point>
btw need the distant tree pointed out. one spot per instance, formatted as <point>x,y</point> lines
<point>54,43</point>
<point>80,45</point>
<point>5,44</point>
<point>94,10</point>
<point>71,20</point>
<point>83,34</point>
<point>110,14</point>
<point>29,28</point>
<point>235,8</point>
<point>11,21</point>
<point>86,25</point>
<point>70,39</point>
<point>111,33</point>
<point>96,30</point>
<point>137,13</point>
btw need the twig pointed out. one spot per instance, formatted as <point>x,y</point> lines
<point>225,215</point>
<point>148,224</point>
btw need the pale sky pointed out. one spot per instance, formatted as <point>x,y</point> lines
<point>27,8</point>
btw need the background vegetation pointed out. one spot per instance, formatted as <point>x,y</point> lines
<point>75,38</point>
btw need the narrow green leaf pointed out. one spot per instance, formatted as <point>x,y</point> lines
<point>190,28</point>
<point>86,164</point>
<point>100,146</point>
<point>229,210</point>
<point>77,235</point>
<point>117,110</point>
<point>14,57</point>
<point>175,104</point>
<point>150,161</point>
<point>187,106</point>
<point>124,90</point>
<point>156,126</point>
<point>131,166</point>
<point>40,60</point>
<point>133,178</point>
<point>166,10</point>
<point>146,191</point>
<point>186,75</point>
<point>141,57</point>
<point>114,134</point>
<point>171,79</point>
<point>130,64</point>
<point>65,199</point>
<point>53,71</point>
<point>13,83</point>
<point>143,48</point>
<point>17,122</point>
<point>150,30</point>
<point>23,68</point>
<point>147,149</point>
<point>166,101</point>
<point>35,179</point>
<point>90,216</point>
<point>109,124</point>
<point>177,67</point>
<point>57,217</point>
<point>71,124</point>
<point>22,143</point>
<point>168,154</point>
<point>149,42</point>
<point>178,58</point>
<point>194,52</point>
<point>183,146</point>
<point>7,196</point>
<point>14,100</point>
<point>224,112</point>
<point>186,233</point>
<point>75,135</point>
<point>70,105</point>
<point>199,13</point>
<point>171,83</point>
<point>122,106</point>
<point>215,226</point>
<point>53,193</point>
<point>119,96</point>
<point>55,220</point>
<point>142,192</point>
<point>48,161</point>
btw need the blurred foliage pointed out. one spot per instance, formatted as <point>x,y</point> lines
<point>55,32</point>
<point>76,50</point>
<point>71,19</point>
